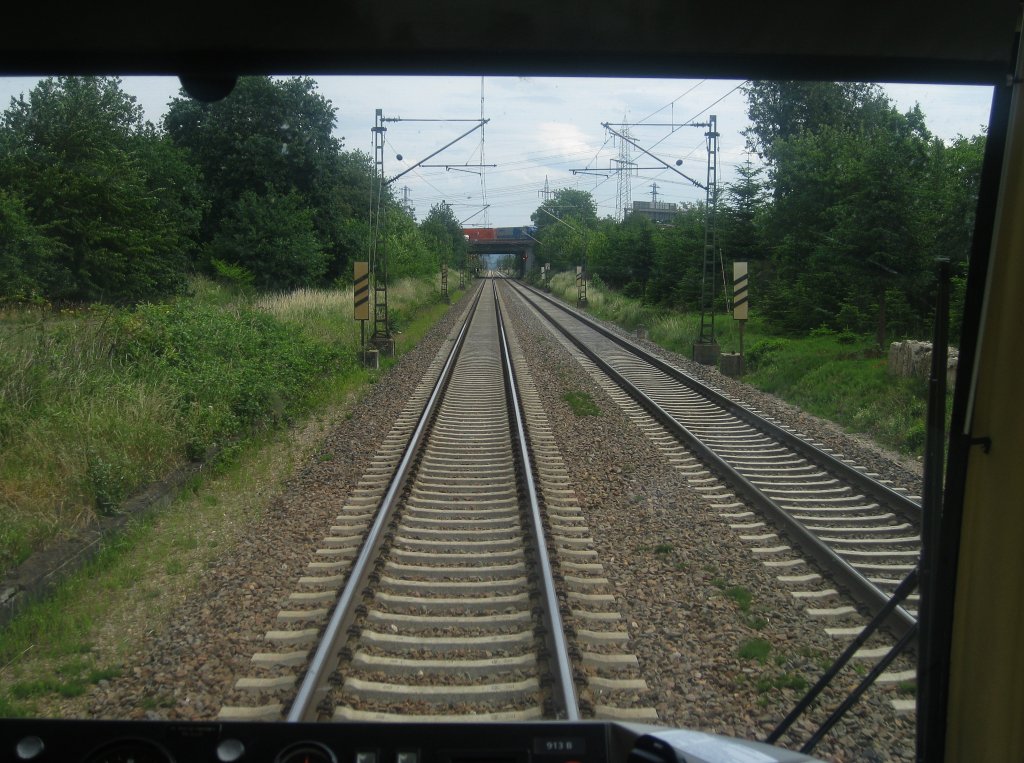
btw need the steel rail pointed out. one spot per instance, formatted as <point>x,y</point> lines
<point>899,621</point>
<point>555,630</point>
<point>313,687</point>
<point>908,508</point>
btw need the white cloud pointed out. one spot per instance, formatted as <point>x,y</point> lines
<point>563,138</point>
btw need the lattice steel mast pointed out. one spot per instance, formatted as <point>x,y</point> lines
<point>623,195</point>
<point>707,282</point>
<point>379,261</point>
<point>710,188</point>
<point>378,206</point>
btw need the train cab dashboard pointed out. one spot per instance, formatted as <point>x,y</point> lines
<point>44,741</point>
<point>882,41</point>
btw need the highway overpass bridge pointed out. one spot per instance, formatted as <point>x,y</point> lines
<point>494,242</point>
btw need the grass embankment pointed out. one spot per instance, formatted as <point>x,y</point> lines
<point>95,403</point>
<point>213,369</point>
<point>837,376</point>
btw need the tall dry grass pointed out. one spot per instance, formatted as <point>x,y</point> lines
<point>326,315</point>
<point>77,431</point>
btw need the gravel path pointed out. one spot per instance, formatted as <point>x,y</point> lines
<point>682,576</point>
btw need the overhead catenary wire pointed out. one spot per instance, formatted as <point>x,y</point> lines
<point>513,164</point>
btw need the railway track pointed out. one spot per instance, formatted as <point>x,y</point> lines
<point>441,590</point>
<point>865,534</point>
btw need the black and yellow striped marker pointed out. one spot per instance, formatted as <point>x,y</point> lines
<point>739,291</point>
<point>361,290</point>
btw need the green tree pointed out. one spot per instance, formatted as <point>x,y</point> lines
<point>625,257</point>
<point>953,179</point>
<point>347,194</point>
<point>780,110</point>
<point>954,174</point>
<point>847,223</point>
<point>739,217</point>
<point>275,134</point>
<point>678,259</point>
<point>562,223</point>
<point>176,186</point>
<point>78,156</point>
<point>271,235</point>
<point>567,204</point>
<point>407,251</point>
<point>26,254</point>
<point>443,234</point>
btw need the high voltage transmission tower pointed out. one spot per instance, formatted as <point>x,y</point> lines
<point>706,347</point>
<point>547,193</point>
<point>624,164</point>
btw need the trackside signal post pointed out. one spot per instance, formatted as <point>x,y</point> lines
<point>361,309</point>
<point>732,365</point>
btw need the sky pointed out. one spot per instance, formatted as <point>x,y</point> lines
<point>548,130</point>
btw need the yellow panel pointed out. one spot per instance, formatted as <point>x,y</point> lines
<point>361,290</point>
<point>986,703</point>
<point>740,306</point>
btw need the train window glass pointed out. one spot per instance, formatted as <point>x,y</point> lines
<point>136,221</point>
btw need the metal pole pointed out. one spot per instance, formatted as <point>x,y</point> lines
<point>931,504</point>
<point>446,145</point>
<point>902,591</point>
<point>861,688</point>
<point>742,356</point>
<point>707,284</point>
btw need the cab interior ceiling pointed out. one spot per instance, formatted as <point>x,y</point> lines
<point>880,40</point>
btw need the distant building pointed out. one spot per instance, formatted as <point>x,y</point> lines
<point>658,211</point>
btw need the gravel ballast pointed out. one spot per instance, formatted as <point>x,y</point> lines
<point>680,572</point>
<point>694,596</point>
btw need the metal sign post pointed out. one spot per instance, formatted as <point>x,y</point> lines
<point>361,290</point>
<point>740,306</point>
<point>361,307</point>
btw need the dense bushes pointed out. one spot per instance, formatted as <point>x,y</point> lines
<point>94,208</point>
<point>96,402</point>
<point>228,369</point>
<point>764,353</point>
<point>271,238</point>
